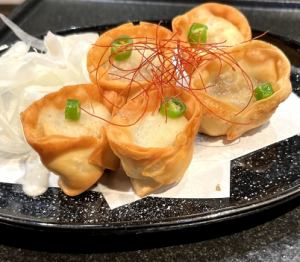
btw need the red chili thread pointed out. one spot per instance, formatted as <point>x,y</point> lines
<point>172,57</point>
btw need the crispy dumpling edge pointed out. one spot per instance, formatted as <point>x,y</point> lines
<point>256,113</point>
<point>96,53</point>
<point>227,12</point>
<point>151,168</point>
<point>52,147</point>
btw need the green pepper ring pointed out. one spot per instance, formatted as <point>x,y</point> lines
<point>263,91</point>
<point>172,107</point>
<point>72,109</point>
<point>197,33</point>
<point>122,47</point>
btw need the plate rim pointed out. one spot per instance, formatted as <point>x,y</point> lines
<point>170,223</point>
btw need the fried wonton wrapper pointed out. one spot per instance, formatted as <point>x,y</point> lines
<point>226,26</point>
<point>78,151</point>
<point>155,151</point>
<point>136,72</point>
<point>230,107</point>
<point>225,23</point>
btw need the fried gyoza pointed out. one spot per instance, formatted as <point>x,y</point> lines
<point>132,73</point>
<point>225,87</point>
<point>154,150</point>
<point>225,24</point>
<point>78,151</point>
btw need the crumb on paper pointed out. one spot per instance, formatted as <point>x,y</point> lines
<point>218,187</point>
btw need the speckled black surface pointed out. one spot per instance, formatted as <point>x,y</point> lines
<point>257,237</point>
<point>264,238</point>
<point>255,178</point>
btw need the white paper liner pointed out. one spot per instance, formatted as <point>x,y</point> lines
<point>208,175</point>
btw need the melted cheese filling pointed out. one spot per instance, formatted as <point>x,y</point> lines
<point>53,122</point>
<point>154,130</point>
<point>220,30</point>
<point>232,87</point>
<point>136,67</point>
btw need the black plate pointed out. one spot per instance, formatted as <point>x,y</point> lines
<point>260,180</point>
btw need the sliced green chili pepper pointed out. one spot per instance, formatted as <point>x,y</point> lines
<point>122,47</point>
<point>197,33</point>
<point>172,107</point>
<point>72,109</point>
<point>263,91</point>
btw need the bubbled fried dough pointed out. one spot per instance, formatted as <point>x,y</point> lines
<point>225,23</point>
<point>151,167</point>
<point>230,108</point>
<point>77,151</point>
<point>151,45</point>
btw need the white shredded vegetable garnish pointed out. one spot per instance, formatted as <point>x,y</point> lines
<point>28,39</point>
<point>26,76</point>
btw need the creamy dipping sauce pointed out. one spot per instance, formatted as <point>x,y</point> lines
<point>157,131</point>
<point>53,122</point>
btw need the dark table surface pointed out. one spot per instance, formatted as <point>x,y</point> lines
<point>272,235</point>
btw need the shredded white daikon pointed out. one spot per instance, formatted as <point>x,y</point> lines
<point>26,76</point>
<point>28,39</point>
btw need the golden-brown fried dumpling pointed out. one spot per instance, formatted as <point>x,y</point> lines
<point>225,24</point>
<point>227,87</point>
<point>156,150</point>
<point>78,151</point>
<point>133,67</point>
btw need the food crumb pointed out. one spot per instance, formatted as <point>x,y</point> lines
<point>218,188</point>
